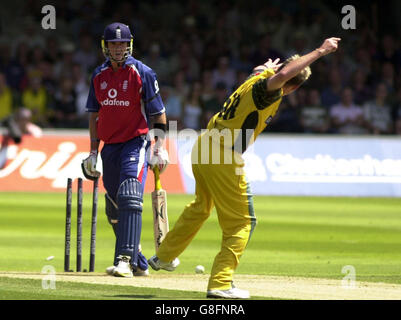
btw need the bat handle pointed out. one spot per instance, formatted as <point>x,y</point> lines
<point>158,184</point>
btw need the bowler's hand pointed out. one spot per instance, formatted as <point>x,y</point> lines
<point>329,45</point>
<point>159,158</point>
<point>270,64</point>
<point>89,166</point>
<point>275,65</point>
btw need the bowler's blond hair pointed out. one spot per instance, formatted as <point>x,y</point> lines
<point>301,77</point>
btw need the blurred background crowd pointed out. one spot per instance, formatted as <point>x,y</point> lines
<point>201,51</point>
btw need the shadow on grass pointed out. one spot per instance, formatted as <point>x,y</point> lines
<point>132,296</point>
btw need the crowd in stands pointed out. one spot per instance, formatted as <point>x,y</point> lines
<point>201,51</point>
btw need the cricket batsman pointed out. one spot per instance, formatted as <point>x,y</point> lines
<point>222,183</point>
<point>123,100</point>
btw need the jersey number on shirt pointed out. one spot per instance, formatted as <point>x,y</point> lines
<point>229,107</point>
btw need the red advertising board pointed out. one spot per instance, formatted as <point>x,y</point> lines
<point>44,164</point>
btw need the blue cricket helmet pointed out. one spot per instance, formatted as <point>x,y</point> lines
<point>117,32</point>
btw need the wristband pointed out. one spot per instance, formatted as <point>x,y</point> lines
<point>162,127</point>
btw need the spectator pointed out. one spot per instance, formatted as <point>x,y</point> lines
<point>158,63</point>
<point>346,117</point>
<point>240,78</point>
<point>342,64</point>
<point>85,55</point>
<point>17,69</point>
<point>314,117</point>
<point>397,112</point>
<point>299,98</point>
<point>378,113</point>
<point>5,56</point>
<point>52,49</point>
<point>65,112</point>
<point>81,90</point>
<point>388,52</point>
<point>222,95</point>
<point>192,39</point>
<point>287,119</point>
<point>36,57</point>
<point>332,93</point>
<point>264,50</point>
<point>208,97</point>
<point>319,79</point>
<point>181,86</point>
<point>64,66</point>
<point>387,76</point>
<point>6,98</point>
<point>224,73</point>
<point>364,62</point>
<point>242,62</point>
<point>207,85</point>
<point>185,61</point>
<point>398,123</point>
<point>211,54</point>
<point>173,104</point>
<point>34,97</point>
<point>177,96</point>
<point>362,91</point>
<point>213,103</point>
<point>192,108</point>
<point>46,69</point>
<point>88,18</point>
<point>299,44</point>
<point>29,33</point>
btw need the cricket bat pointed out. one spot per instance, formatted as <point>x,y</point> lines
<point>159,205</point>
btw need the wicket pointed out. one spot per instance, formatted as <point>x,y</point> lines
<point>79,226</point>
<point>93,228</point>
<point>68,227</point>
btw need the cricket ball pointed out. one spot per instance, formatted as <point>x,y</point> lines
<point>199,269</point>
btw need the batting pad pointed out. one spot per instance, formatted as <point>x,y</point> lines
<point>129,201</point>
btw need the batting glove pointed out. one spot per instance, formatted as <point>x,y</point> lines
<point>159,158</point>
<point>89,166</point>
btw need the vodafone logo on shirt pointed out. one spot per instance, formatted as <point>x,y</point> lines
<point>112,101</point>
<point>112,93</point>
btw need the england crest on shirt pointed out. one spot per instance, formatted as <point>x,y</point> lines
<point>125,85</point>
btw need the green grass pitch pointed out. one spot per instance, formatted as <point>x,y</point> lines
<point>294,236</point>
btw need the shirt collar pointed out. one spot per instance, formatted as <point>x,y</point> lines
<point>129,60</point>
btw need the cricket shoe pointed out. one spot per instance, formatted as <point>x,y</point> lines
<point>157,264</point>
<point>110,270</point>
<point>233,293</point>
<point>138,273</point>
<point>141,273</point>
<point>123,268</point>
